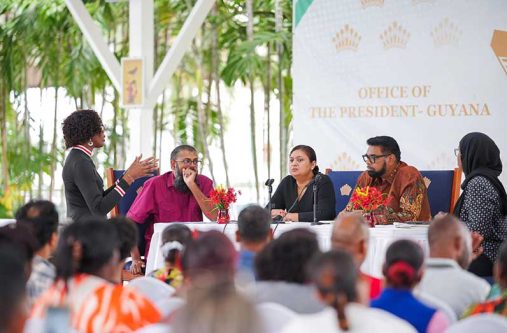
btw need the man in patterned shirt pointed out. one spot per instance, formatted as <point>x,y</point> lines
<point>41,216</point>
<point>497,305</point>
<point>401,182</point>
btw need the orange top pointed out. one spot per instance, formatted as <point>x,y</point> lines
<point>98,306</point>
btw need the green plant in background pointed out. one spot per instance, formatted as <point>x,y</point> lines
<point>41,47</point>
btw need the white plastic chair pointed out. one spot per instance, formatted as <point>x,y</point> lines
<point>483,323</point>
<point>155,290</point>
<point>438,304</point>
<point>274,316</point>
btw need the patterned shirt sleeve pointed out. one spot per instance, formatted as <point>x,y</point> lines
<point>411,202</point>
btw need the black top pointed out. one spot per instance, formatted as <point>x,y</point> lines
<point>84,188</point>
<point>285,197</point>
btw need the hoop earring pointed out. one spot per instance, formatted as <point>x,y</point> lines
<point>90,143</point>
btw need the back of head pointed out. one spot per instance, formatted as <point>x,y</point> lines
<point>42,217</point>
<point>216,309</point>
<point>12,290</point>
<point>86,247</point>
<point>286,257</point>
<point>254,224</point>
<point>335,276</point>
<point>402,268</point>
<point>22,238</point>
<point>443,232</point>
<point>351,233</point>
<point>175,238</point>
<point>127,233</point>
<point>388,144</point>
<point>211,258</point>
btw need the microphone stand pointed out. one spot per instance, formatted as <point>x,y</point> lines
<point>315,184</point>
<point>269,184</point>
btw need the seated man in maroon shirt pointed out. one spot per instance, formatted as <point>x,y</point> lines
<point>180,195</point>
<point>401,182</point>
<point>351,234</point>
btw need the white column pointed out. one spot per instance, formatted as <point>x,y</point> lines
<point>141,44</point>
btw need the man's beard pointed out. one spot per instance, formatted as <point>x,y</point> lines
<point>179,182</point>
<point>378,174</point>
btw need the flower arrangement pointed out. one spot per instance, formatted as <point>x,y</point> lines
<point>368,199</point>
<point>222,197</point>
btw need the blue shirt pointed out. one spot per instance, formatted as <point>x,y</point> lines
<point>404,305</point>
<point>246,262</point>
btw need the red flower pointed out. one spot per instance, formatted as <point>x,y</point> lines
<point>222,198</point>
<point>368,199</point>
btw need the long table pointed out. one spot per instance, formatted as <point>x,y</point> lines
<point>380,238</point>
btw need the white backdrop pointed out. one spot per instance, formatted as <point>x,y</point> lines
<point>423,71</point>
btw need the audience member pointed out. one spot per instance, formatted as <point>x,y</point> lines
<point>254,232</point>
<point>499,304</point>
<point>336,277</point>
<point>403,269</point>
<point>450,244</point>
<point>351,234</point>
<point>281,272</point>
<point>216,308</point>
<point>208,260</point>
<point>23,239</point>
<point>42,217</point>
<point>175,238</point>
<point>128,234</point>
<point>13,302</point>
<point>87,259</point>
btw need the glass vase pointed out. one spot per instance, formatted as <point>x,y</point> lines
<point>223,216</point>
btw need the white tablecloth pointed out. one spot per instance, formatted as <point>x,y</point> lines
<point>4,222</point>
<point>380,238</point>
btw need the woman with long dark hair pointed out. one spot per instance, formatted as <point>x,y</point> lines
<point>293,199</point>
<point>337,281</point>
<point>87,261</point>
<point>483,202</point>
<point>84,188</point>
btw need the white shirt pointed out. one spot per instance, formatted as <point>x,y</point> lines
<point>361,319</point>
<point>446,280</point>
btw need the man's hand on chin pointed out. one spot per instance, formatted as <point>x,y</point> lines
<point>189,177</point>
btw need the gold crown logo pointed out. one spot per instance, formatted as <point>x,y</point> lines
<point>395,36</point>
<point>346,39</point>
<point>345,163</point>
<point>427,182</point>
<point>371,3</point>
<point>345,190</point>
<point>446,33</point>
<point>499,46</point>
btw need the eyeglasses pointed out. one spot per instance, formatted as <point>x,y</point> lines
<point>372,158</point>
<point>456,151</point>
<point>188,161</point>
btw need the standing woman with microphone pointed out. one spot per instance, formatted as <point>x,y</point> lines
<point>84,188</point>
<point>293,199</point>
